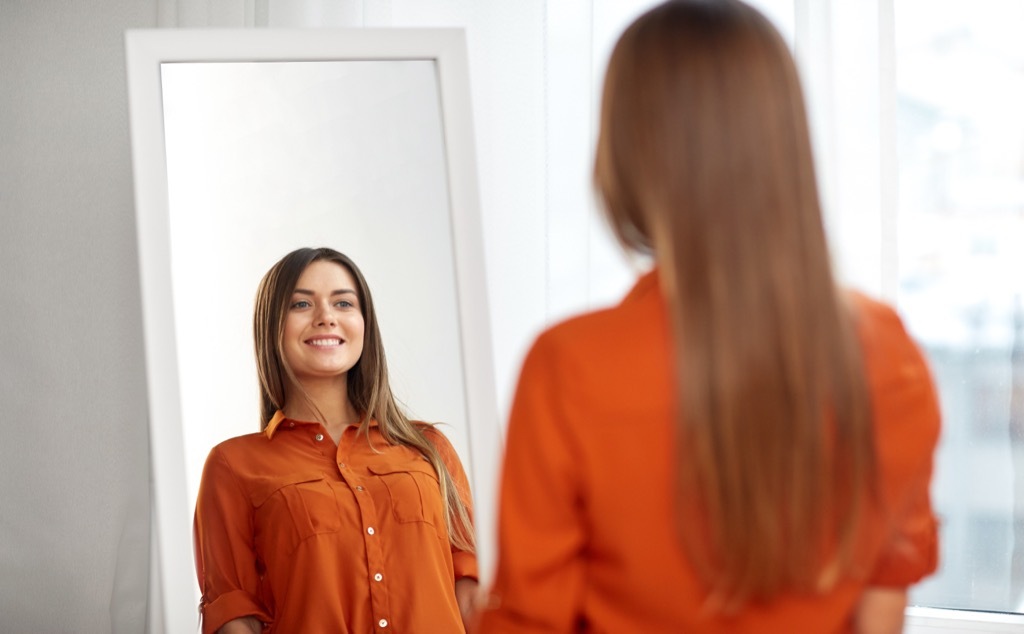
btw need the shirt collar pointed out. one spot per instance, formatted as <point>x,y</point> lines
<point>279,419</point>
<point>275,421</point>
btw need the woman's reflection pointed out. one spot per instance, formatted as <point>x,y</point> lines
<point>341,514</point>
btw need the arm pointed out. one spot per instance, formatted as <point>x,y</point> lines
<point>244,625</point>
<point>907,429</point>
<point>910,554</point>
<point>467,594</point>
<point>467,588</point>
<point>464,562</point>
<point>541,523</point>
<point>225,552</point>
<point>880,611</point>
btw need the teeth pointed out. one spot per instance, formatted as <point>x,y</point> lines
<point>325,342</point>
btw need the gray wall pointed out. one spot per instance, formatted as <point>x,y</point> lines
<point>74,466</point>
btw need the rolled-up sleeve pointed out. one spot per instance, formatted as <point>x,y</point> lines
<point>912,551</point>
<point>224,548</point>
<point>464,563</point>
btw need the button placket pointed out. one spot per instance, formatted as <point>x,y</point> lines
<point>353,474</point>
<point>379,600</point>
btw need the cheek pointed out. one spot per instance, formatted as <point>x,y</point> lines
<point>357,330</point>
<point>291,332</point>
<point>291,327</point>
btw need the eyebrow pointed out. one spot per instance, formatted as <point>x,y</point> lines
<point>340,291</point>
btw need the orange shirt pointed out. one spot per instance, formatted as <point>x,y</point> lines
<point>587,531</point>
<point>310,537</point>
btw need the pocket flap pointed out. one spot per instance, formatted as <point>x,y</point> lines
<point>419,465</point>
<point>264,487</point>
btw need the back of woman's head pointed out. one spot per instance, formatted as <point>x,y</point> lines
<point>704,157</point>
<point>702,105</point>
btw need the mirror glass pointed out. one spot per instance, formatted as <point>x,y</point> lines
<point>249,144</point>
<point>266,157</point>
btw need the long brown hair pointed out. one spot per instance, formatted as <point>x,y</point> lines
<point>705,158</point>
<point>368,387</point>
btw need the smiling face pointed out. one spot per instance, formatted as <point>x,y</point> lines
<point>323,329</point>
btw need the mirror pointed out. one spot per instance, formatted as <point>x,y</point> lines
<point>249,144</point>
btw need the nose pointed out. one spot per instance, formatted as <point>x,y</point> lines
<point>325,317</point>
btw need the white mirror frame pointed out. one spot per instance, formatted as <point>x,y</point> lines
<point>146,50</point>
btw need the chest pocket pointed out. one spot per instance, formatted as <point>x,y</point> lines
<point>291,508</point>
<point>414,491</point>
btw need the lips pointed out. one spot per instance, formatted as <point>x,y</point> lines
<point>325,342</point>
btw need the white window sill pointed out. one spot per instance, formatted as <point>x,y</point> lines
<point>938,621</point>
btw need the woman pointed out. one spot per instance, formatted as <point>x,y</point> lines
<point>738,446</point>
<point>341,515</point>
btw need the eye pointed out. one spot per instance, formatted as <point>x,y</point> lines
<point>302,303</point>
<point>344,303</point>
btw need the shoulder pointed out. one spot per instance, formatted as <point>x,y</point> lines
<point>437,438</point>
<point>904,399</point>
<point>233,450</point>
<point>240,443</point>
<point>642,302</point>
<point>432,433</point>
<point>874,317</point>
<point>599,366</point>
<point>579,329</point>
<point>598,345</point>
<point>890,352</point>
<point>444,447</point>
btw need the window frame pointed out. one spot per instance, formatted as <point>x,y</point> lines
<point>923,620</point>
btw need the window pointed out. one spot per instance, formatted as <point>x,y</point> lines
<point>960,236</point>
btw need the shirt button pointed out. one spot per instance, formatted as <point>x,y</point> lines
<point>370,530</point>
<point>341,465</point>
<point>359,487</point>
<point>319,437</point>
<point>382,622</point>
<point>291,424</point>
<point>378,577</point>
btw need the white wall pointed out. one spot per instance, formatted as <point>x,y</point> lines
<point>74,471</point>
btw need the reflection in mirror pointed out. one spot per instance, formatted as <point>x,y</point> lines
<point>263,158</point>
<point>365,153</point>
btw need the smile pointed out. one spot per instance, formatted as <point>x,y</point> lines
<point>325,342</point>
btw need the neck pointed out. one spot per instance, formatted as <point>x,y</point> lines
<point>327,403</point>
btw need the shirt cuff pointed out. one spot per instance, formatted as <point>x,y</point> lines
<point>231,605</point>
<point>911,557</point>
<point>465,565</point>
